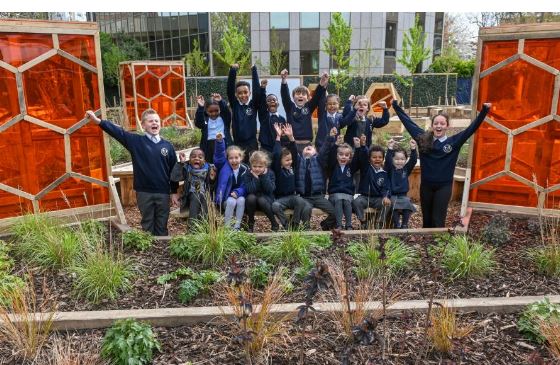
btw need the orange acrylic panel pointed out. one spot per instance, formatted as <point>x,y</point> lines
<point>128,95</point>
<point>159,86</point>
<point>42,108</point>
<point>524,147</point>
<point>496,52</point>
<point>380,94</point>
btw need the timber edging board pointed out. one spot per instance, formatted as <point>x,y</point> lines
<point>172,317</point>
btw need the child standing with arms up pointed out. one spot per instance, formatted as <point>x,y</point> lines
<point>229,190</point>
<point>244,111</point>
<point>259,186</point>
<point>300,110</point>
<point>268,117</point>
<point>213,118</point>
<point>359,122</point>
<point>399,169</point>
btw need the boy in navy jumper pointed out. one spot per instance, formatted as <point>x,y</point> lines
<point>286,195</point>
<point>358,122</point>
<point>328,117</point>
<point>244,112</point>
<point>374,185</point>
<point>340,168</point>
<point>399,169</point>
<point>213,118</point>
<point>300,110</point>
<point>438,156</point>
<point>268,117</point>
<point>153,159</point>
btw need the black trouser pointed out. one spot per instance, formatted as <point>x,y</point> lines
<point>396,216</point>
<point>434,199</point>
<point>248,148</point>
<point>209,153</point>
<point>319,202</point>
<point>198,208</point>
<point>252,202</point>
<point>362,202</point>
<point>154,208</point>
<point>294,202</point>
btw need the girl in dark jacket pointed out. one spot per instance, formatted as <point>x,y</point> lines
<point>259,186</point>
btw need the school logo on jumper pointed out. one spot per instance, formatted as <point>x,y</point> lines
<point>304,110</point>
<point>380,181</point>
<point>164,151</point>
<point>447,148</point>
<point>249,111</point>
<point>348,173</point>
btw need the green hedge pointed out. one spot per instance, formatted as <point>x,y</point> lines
<point>427,89</point>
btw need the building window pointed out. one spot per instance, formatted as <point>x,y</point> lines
<point>309,20</point>
<point>346,17</point>
<point>438,34</point>
<point>280,20</point>
<point>309,62</point>
<point>390,39</point>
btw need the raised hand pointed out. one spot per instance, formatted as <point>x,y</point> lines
<point>333,132</point>
<point>363,140</point>
<point>284,75</point>
<point>235,66</point>
<point>92,117</point>
<point>391,144</point>
<point>219,137</point>
<point>278,130</point>
<point>287,129</point>
<point>200,100</point>
<point>356,142</point>
<point>488,105</point>
<point>216,97</point>
<point>264,83</point>
<point>413,144</point>
<point>182,157</point>
<point>324,79</point>
<point>382,104</point>
<point>352,97</point>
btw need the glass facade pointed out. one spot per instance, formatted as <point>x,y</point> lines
<point>280,20</point>
<point>168,35</point>
<point>309,20</point>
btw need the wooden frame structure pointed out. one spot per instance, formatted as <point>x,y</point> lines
<point>382,91</point>
<point>157,77</point>
<point>76,46</point>
<point>516,53</point>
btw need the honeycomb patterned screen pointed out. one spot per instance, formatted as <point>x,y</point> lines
<point>51,158</point>
<point>516,157</point>
<point>159,86</point>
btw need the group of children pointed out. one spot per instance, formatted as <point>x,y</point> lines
<point>290,171</point>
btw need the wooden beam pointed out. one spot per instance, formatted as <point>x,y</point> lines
<point>513,209</point>
<point>116,201</point>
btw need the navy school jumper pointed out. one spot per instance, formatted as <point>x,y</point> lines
<point>438,165</point>
<point>152,163</point>
<point>267,134</point>
<point>244,116</point>
<point>373,183</point>
<point>340,180</point>
<point>352,124</point>
<point>399,177</point>
<point>325,123</point>
<point>300,118</point>
<point>285,179</point>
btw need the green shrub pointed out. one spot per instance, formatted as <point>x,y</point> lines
<point>209,243</point>
<point>118,153</point>
<point>546,259</point>
<point>199,283</point>
<point>93,232</point>
<point>129,342</point>
<point>465,259</point>
<point>535,313</point>
<point>181,138</point>
<point>321,240</point>
<point>6,262</point>
<point>100,276</point>
<point>174,275</point>
<point>366,254</point>
<point>259,274</point>
<point>8,283</point>
<point>54,248</point>
<point>292,247</point>
<point>497,231</point>
<point>137,239</point>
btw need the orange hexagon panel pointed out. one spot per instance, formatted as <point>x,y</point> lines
<point>158,85</point>
<point>58,83</point>
<point>522,93</point>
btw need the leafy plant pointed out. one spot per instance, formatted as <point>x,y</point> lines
<point>101,275</point>
<point>115,49</point>
<point>462,258</point>
<point>181,138</point>
<point>129,342</point>
<point>444,329</point>
<point>183,271</point>
<point>497,231</point>
<point>235,46</point>
<point>119,154</point>
<point>210,243</point>
<point>399,256</point>
<point>337,46</point>
<point>196,62</point>
<point>6,262</point>
<point>278,50</point>
<point>92,231</point>
<point>259,274</point>
<point>138,239</point>
<point>534,315</point>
